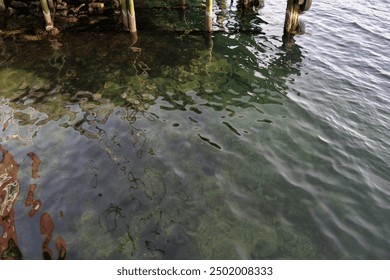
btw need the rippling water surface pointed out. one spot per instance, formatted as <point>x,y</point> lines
<point>190,146</point>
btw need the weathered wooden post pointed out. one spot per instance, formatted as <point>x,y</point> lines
<point>133,24</point>
<point>2,6</point>
<point>245,6</point>
<point>47,15</point>
<point>2,13</point>
<point>209,15</point>
<point>128,14</point>
<point>294,8</point>
<point>183,3</point>
<point>291,24</point>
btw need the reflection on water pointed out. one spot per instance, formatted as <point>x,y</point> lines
<point>9,192</point>
<point>179,145</point>
<point>124,183</point>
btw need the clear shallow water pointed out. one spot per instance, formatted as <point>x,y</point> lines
<point>185,146</point>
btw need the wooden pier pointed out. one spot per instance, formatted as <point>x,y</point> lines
<point>128,12</point>
<point>294,8</point>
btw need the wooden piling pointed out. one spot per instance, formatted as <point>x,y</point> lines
<point>133,24</point>
<point>291,24</point>
<point>125,18</point>
<point>47,15</point>
<point>209,15</point>
<point>2,6</point>
<point>128,15</point>
<point>245,6</point>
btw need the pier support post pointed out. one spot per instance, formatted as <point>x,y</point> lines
<point>2,6</point>
<point>291,24</point>
<point>245,6</point>
<point>133,24</point>
<point>128,14</point>
<point>47,15</point>
<point>2,14</point>
<point>209,15</point>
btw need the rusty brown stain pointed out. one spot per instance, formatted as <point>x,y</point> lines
<point>46,227</point>
<point>61,248</point>
<point>6,123</point>
<point>30,201</point>
<point>35,165</point>
<point>9,191</point>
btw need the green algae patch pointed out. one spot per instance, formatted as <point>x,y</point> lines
<point>15,82</point>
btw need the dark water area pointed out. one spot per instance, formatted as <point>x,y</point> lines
<point>187,145</point>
